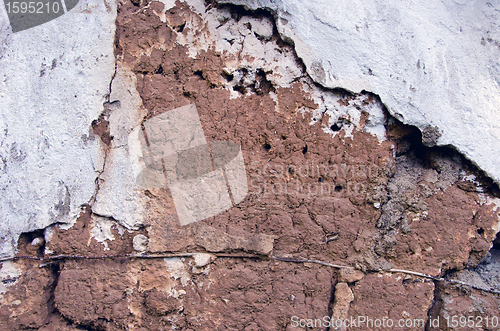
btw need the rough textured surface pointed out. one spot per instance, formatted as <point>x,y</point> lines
<point>332,176</point>
<point>388,295</point>
<point>304,186</point>
<point>343,298</point>
<point>433,63</point>
<point>54,80</point>
<point>473,308</point>
<point>118,195</point>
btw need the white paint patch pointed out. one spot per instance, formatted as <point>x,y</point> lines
<point>203,259</point>
<point>496,203</point>
<point>47,234</point>
<point>345,115</point>
<point>177,269</point>
<point>198,6</point>
<point>101,230</point>
<point>9,273</point>
<point>140,243</point>
<point>375,123</point>
<point>118,195</point>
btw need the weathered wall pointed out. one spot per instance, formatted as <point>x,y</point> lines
<point>55,78</point>
<point>434,64</point>
<point>332,177</point>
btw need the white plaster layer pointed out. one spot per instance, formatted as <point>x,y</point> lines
<point>433,63</point>
<point>177,269</point>
<point>54,79</point>
<point>119,196</point>
<point>101,231</point>
<point>9,274</point>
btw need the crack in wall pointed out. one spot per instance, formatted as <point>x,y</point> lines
<point>269,146</point>
<point>100,127</point>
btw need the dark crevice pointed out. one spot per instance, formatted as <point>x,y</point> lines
<point>199,73</point>
<point>238,11</point>
<point>496,242</point>
<point>100,127</point>
<point>159,70</point>
<point>335,127</point>
<point>228,77</point>
<point>332,299</point>
<point>341,122</point>
<point>412,153</point>
<point>409,140</point>
<point>55,269</point>
<point>31,243</point>
<point>180,28</point>
<point>435,308</point>
<point>262,86</point>
<point>240,88</point>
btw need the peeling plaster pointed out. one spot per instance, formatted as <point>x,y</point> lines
<point>433,63</point>
<point>55,78</point>
<point>9,273</point>
<point>119,195</point>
